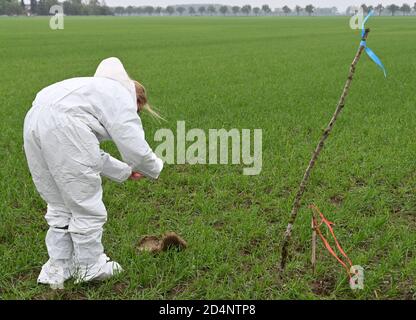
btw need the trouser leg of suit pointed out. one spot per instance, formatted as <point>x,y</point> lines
<point>74,160</point>
<point>58,240</point>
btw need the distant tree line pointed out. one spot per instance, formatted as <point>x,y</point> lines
<point>85,8</point>
<point>248,10</point>
<point>42,7</point>
<point>96,7</point>
<point>392,9</point>
<point>265,10</point>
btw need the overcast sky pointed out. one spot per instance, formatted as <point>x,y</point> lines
<point>341,4</point>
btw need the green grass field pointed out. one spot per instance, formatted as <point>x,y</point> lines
<point>282,75</point>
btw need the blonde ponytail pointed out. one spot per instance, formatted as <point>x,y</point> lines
<point>142,101</point>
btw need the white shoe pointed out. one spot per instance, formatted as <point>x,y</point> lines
<point>56,272</point>
<point>102,270</point>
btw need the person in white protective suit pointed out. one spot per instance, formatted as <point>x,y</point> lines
<point>62,134</point>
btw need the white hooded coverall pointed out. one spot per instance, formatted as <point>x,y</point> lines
<point>62,134</point>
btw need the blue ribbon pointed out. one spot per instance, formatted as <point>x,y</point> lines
<point>370,52</point>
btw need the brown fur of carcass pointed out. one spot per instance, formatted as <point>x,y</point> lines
<point>156,244</point>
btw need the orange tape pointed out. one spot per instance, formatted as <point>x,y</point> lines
<point>329,224</point>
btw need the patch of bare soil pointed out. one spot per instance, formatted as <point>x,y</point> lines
<point>323,287</point>
<point>120,287</point>
<point>337,199</point>
<point>218,225</point>
<point>250,247</point>
<point>178,289</point>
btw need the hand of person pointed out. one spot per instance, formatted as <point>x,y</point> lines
<point>136,176</point>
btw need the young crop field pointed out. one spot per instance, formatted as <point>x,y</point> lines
<point>282,75</point>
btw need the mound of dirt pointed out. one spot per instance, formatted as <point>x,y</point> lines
<point>156,244</point>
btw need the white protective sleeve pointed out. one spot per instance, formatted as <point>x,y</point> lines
<point>114,169</point>
<point>126,131</point>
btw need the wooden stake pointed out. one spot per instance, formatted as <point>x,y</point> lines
<point>313,256</point>
<point>318,149</point>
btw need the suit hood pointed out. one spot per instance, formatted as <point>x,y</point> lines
<point>112,68</point>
